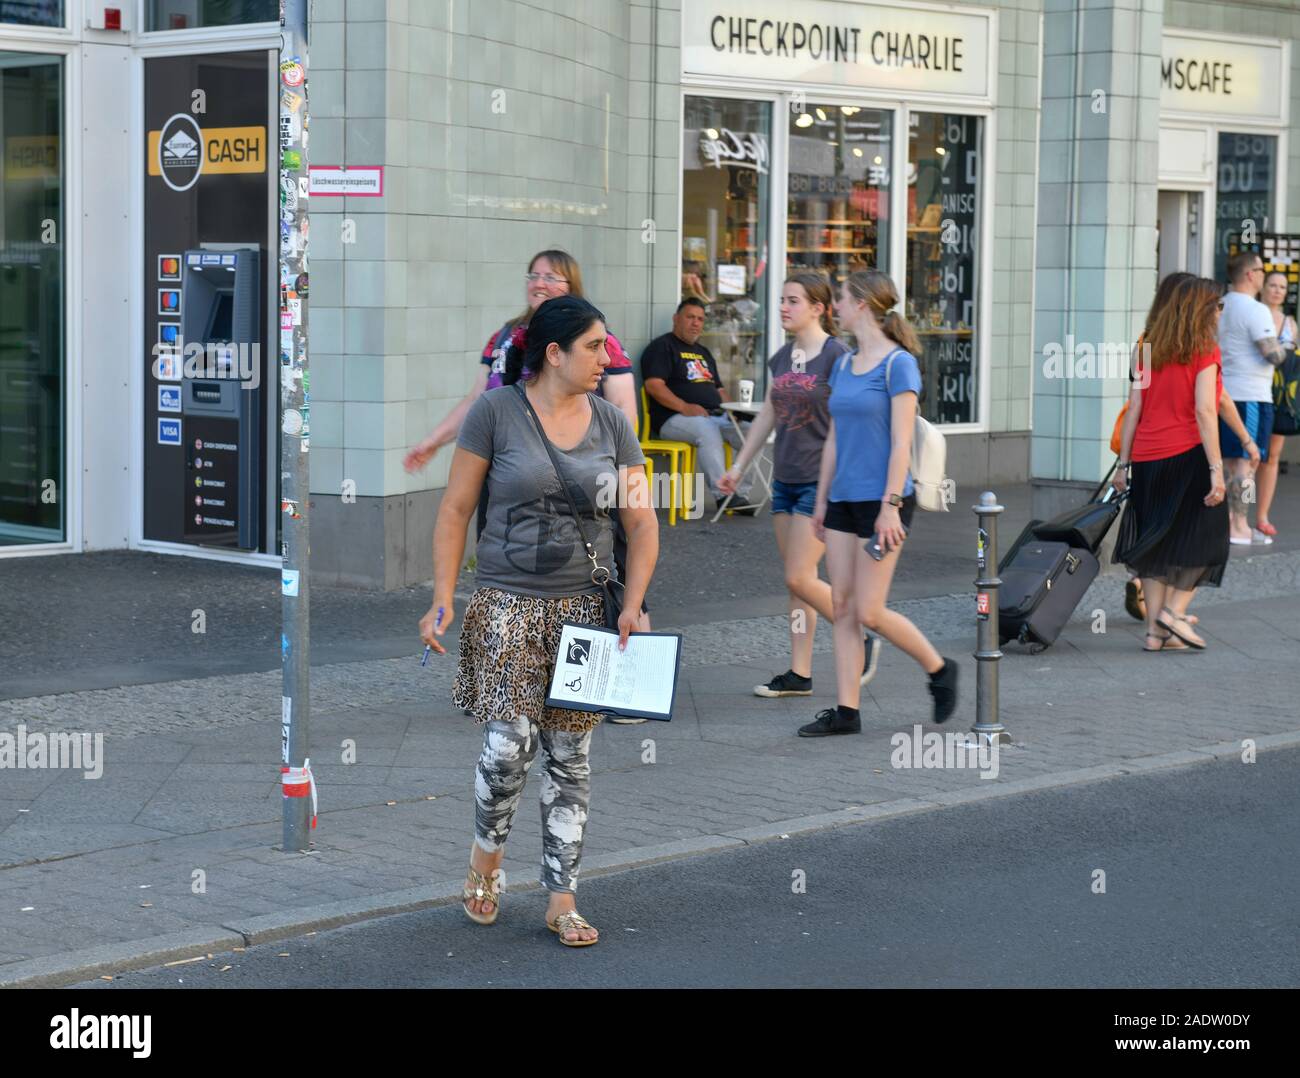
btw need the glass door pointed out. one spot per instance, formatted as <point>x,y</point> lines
<point>32,419</point>
<point>725,199</point>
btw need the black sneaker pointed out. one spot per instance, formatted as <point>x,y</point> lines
<point>830,722</point>
<point>787,684</point>
<point>943,687</point>
<point>871,659</point>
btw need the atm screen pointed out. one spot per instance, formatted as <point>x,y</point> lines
<point>219,329</point>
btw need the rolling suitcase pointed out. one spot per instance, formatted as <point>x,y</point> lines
<point>1042,583</point>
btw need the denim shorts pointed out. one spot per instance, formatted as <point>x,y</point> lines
<point>798,498</point>
<point>1257,417</point>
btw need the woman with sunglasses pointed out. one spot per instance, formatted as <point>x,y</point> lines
<point>550,273</point>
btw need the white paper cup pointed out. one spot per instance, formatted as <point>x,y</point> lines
<point>746,391</point>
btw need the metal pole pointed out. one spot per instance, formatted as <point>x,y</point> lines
<point>987,726</point>
<point>298,798</point>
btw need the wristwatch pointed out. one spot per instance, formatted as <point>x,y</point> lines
<point>896,500</point>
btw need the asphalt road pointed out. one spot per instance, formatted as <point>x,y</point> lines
<point>1201,874</point>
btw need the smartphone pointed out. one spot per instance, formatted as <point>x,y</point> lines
<point>872,546</point>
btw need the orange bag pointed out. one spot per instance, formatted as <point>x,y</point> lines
<point>1116,436</point>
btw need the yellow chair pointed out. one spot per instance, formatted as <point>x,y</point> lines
<point>681,462</point>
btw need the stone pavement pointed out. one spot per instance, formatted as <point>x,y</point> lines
<point>172,853</point>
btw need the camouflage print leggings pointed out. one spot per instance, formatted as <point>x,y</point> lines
<point>508,751</point>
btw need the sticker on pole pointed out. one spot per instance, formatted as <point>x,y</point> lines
<point>982,604</point>
<point>365,181</point>
<point>289,582</point>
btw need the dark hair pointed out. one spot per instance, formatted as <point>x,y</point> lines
<point>690,301</point>
<point>1242,263</point>
<point>561,320</point>
<point>1164,290</point>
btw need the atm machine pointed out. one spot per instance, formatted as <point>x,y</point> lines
<point>221,396</point>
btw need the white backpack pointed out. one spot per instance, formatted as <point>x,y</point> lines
<point>929,455</point>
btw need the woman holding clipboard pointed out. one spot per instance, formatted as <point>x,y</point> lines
<point>533,575</point>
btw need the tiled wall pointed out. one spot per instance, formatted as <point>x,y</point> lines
<point>1096,218</point>
<point>505,127</point>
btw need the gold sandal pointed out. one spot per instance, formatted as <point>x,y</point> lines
<point>483,888</point>
<point>572,921</point>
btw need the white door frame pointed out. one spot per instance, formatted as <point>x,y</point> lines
<point>60,43</point>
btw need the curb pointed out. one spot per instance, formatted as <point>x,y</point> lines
<point>76,966</point>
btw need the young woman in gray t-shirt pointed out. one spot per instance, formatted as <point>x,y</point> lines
<point>797,408</point>
<point>533,575</point>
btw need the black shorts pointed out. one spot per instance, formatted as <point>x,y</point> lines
<point>859,518</point>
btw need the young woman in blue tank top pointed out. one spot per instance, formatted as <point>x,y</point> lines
<point>864,494</point>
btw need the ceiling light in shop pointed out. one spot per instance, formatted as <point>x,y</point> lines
<point>940,150</point>
<point>821,115</point>
<point>848,110</point>
<point>805,120</point>
<point>878,160</point>
<point>857,151</point>
<point>712,132</point>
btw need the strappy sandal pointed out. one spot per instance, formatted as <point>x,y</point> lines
<point>483,889</point>
<point>572,921</point>
<point>1168,642</point>
<point>1168,620</point>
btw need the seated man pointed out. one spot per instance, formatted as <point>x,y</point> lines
<point>685,396</point>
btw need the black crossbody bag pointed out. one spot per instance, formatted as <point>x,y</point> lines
<point>610,588</point>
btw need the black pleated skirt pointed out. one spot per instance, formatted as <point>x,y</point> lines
<point>1167,532</point>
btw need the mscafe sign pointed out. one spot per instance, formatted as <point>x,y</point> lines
<point>1222,76</point>
<point>927,49</point>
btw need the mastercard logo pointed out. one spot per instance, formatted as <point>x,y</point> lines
<point>169,267</point>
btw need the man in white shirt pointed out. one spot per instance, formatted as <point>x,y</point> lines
<point>1251,351</point>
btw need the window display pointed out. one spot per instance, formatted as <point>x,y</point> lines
<point>1243,197</point>
<point>943,226</point>
<point>725,206</point>
<point>838,207</point>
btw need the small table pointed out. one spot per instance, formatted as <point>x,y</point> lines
<point>761,465</point>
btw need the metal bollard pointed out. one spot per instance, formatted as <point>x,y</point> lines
<point>988,727</point>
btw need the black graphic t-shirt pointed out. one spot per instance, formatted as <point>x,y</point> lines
<point>800,394</point>
<point>530,544</point>
<point>688,370</point>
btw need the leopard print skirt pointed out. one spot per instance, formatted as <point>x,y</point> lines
<point>507,655</point>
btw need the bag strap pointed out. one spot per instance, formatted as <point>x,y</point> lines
<point>889,367</point>
<point>568,495</point>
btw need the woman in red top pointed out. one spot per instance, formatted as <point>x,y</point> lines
<point>1174,534</point>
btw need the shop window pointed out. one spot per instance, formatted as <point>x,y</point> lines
<point>725,200</point>
<point>32,421</point>
<point>32,12</point>
<point>1243,196</point>
<point>194,14</point>
<point>838,209</point>
<point>943,226</point>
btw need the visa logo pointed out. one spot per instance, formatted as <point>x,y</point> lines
<point>169,432</point>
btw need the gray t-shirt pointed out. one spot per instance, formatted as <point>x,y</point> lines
<point>530,544</point>
<point>801,401</point>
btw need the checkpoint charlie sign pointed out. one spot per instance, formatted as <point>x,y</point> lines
<point>926,49</point>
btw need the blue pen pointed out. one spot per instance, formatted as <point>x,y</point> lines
<point>437,624</point>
